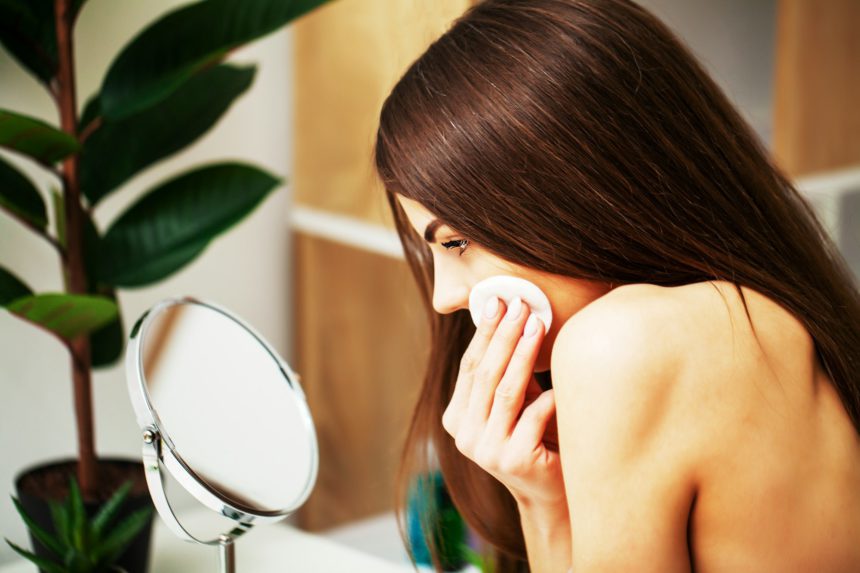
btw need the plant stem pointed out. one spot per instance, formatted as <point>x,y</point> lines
<point>89,128</point>
<point>74,262</point>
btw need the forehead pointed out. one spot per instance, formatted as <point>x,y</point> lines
<point>418,215</point>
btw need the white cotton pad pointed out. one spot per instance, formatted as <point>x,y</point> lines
<point>507,288</point>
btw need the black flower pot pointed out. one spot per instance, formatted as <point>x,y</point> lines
<point>37,485</point>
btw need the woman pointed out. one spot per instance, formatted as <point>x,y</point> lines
<point>704,354</point>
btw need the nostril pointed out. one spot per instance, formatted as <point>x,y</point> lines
<point>443,307</point>
<point>450,299</point>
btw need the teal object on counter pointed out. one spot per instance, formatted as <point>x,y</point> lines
<point>430,502</point>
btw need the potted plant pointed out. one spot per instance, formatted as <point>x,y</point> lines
<point>81,544</point>
<point>163,90</point>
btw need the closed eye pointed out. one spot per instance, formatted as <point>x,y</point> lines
<point>457,243</point>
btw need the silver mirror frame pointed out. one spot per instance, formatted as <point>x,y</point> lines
<point>159,451</point>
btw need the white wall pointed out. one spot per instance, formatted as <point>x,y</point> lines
<point>736,41</point>
<point>246,270</point>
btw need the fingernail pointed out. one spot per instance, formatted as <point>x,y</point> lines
<point>491,307</point>
<point>515,309</point>
<point>531,326</point>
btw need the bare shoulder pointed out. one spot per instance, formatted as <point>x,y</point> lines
<point>621,346</point>
<point>678,349</point>
<point>696,411</point>
<point>708,301</point>
<point>632,322</point>
<point>692,320</point>
<point>629,476</point>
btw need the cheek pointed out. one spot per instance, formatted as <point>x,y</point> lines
<point>467,269</point>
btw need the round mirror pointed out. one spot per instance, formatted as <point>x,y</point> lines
<point>221,412</point>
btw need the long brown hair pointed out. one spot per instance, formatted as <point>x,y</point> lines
<point>582,138</point>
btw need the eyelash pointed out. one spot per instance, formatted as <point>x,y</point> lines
<point>459,243</point>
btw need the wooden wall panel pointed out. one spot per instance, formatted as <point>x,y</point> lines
<point>817,87</point>
<point>360,335</point>
<point>359,332</point>
<point>348,56</point>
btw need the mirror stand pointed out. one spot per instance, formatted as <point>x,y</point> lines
<point>223,415</point>
<point>227,553</point>
<point>152,459</point>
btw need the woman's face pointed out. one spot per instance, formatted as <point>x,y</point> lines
<point>458,267</point>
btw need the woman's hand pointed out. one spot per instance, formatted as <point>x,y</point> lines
<point>498,414</point>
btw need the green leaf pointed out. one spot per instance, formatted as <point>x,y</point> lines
<point>34,138</point>
<point>92,251</point>
<point>20,196</point>
<point>57,202</point>
<point>92,109</point>
<point>41,562</point>
<point>120,536</point>
<point>474,558</point>
<point>11,287</point>
<point>45,538</point>
<point>108,512</point>
<point>60,518</point>
<point>106,343</point>
<point>174,222</point>
<point>118,150</point>
<point>77,5</point>
<point>78,562</point>
<point>27,32</point>
<point>66,315</point>
<point>183,42</point>
<point>77,516</point>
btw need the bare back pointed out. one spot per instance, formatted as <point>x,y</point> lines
<point>779,488</point>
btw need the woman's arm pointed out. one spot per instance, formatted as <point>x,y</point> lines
<point>547,536</point>
<point>498,417</point>
<point>627,438</point>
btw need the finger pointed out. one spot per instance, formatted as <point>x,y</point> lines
<point>550,435</point>
<point>492,314</point>
<point>495,360</point>
<point>530,428</point>
<point>512,390</point>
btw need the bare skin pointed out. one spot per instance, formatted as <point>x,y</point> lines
<point>685,446</point>
<point>763,461</point>
<point>780,486</point>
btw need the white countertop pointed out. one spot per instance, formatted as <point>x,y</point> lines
<point>273,548</point>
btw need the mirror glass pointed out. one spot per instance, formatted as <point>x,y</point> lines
<point>227,407</point>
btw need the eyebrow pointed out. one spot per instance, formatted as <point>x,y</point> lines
<point>430,231</point>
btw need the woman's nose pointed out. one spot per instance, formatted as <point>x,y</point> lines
<point>449,294</point>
